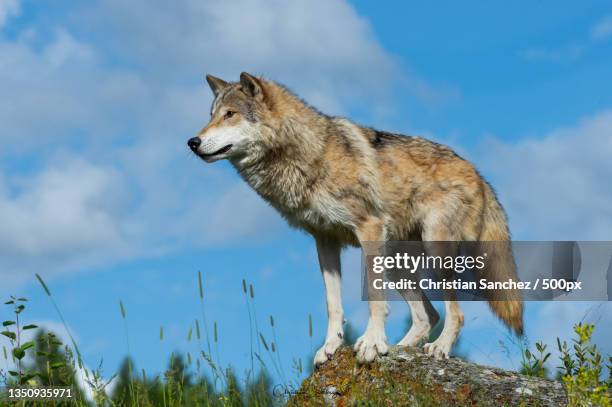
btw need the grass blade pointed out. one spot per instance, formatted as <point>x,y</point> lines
<point>122,308</point>
<point>44,286</point>
<point>310,325</point>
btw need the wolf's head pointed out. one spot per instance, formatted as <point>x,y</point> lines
<point>236,117</point>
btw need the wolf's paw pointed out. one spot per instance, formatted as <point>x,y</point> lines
<point>370,345</point>
<point>328,349</point>
<point>414,336</point>
<point>439,349</point>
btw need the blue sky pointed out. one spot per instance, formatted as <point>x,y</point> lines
<point>99,194</point>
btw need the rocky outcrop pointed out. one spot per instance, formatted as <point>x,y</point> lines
<point>408,377</point>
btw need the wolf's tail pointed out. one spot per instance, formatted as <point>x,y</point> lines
<point>499,263</point>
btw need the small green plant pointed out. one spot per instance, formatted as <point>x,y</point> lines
<point>39,359</point>
<point>13,330</point>
<point>532,363</point>
<point>582,370</point>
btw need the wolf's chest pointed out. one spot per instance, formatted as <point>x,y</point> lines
<point>300,203</point>
<point>323,213</point>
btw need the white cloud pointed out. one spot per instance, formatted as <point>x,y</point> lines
<point>8,8</point>
<point>66,49</point>
<point>62,215</point>
<point>603,29</point>
<point>59,91</point>
<point>65,207</point>
<point>322,49</point>
<point>556,187</point>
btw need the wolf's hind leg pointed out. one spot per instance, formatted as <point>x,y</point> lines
<point>329,261</point>
<point>439,242</point>
<point>424,317</point>
<point>453,321</point>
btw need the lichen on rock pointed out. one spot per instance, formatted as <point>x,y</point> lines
<point>408,377</point>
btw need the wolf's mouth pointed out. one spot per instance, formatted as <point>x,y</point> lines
<point>220,151</point>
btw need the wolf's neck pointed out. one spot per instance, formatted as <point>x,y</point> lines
<point>286,171</point>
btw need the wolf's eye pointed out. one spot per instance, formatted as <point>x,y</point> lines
<point>229,114</point>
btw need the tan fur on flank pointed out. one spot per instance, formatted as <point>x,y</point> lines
<point>346,184</point>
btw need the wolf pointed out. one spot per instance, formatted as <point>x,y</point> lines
<point>347,185</point>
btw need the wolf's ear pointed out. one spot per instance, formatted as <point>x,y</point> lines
<point>216,84</point>
<point>251,85</point>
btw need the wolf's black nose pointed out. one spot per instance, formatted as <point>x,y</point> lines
<point>194,143</point>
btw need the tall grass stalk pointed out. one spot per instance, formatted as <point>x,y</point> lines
<point>163,387</point>
<point>59,313</point>
<point>277,351</point>
<point>216,338</point>
<point>127,342</point>
<point>310,331</point>
<point>270,350</point>
<point>246,301</point>
<point>202,308</point>
<point>215,373</point>
<point>254,309</point>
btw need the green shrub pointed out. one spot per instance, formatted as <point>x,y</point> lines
<point>582,367</point>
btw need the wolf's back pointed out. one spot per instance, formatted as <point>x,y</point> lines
<point>500,265</point>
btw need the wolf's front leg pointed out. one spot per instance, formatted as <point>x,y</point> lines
<point>329,260</point>
<point>374,341</point>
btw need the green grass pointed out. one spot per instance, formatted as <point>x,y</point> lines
<point>198,379</point>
